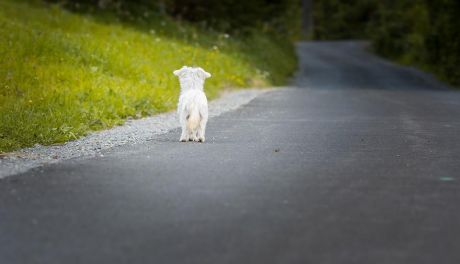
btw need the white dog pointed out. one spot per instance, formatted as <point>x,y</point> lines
<point>193,104</point>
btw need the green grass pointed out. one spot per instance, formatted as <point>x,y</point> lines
<point>64,74</point>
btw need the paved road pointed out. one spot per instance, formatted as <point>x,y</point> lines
<point>359,164</point>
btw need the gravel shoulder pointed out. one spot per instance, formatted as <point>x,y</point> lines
<point>132,132</point>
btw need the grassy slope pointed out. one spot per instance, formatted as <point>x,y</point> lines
<point>63,74</point>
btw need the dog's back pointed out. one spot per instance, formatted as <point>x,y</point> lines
<point>193,105</point>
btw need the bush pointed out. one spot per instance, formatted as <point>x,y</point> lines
<point>423,33</point>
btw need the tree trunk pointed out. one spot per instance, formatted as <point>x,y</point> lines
<point>307,17</point>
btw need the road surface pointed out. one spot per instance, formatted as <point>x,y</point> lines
<point>360,163</point>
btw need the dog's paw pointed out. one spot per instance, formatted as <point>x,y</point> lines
<point>201,139</point>
<point>183,139</point>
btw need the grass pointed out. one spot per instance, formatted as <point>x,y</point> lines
<point>64,74</point>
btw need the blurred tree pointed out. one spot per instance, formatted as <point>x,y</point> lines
<point>238,16</point>
<point>307,17</point>
<point>342,19</point>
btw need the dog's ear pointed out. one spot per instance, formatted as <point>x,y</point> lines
<point>180,71</point>
<point>204,73</point>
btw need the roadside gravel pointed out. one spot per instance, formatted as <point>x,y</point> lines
<point>132,132</point>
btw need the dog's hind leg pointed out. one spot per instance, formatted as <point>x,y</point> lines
<point>184,137</point>
<point>201,130</point>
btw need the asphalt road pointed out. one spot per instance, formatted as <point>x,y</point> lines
<point>359,164</point>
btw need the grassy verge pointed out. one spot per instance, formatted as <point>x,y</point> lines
<point>63,74</point>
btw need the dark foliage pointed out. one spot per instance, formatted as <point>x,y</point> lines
<point>280,17</point>
<point>235,15</point>
<point>420,32</point>
<point>346,19</point>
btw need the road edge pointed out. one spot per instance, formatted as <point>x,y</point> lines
<point>132,132</point>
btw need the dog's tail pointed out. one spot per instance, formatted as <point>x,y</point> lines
<point>194,118</point>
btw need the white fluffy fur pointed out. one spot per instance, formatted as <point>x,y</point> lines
<point>193,104</point>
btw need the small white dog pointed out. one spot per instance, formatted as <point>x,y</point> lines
<point>193,104</point>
